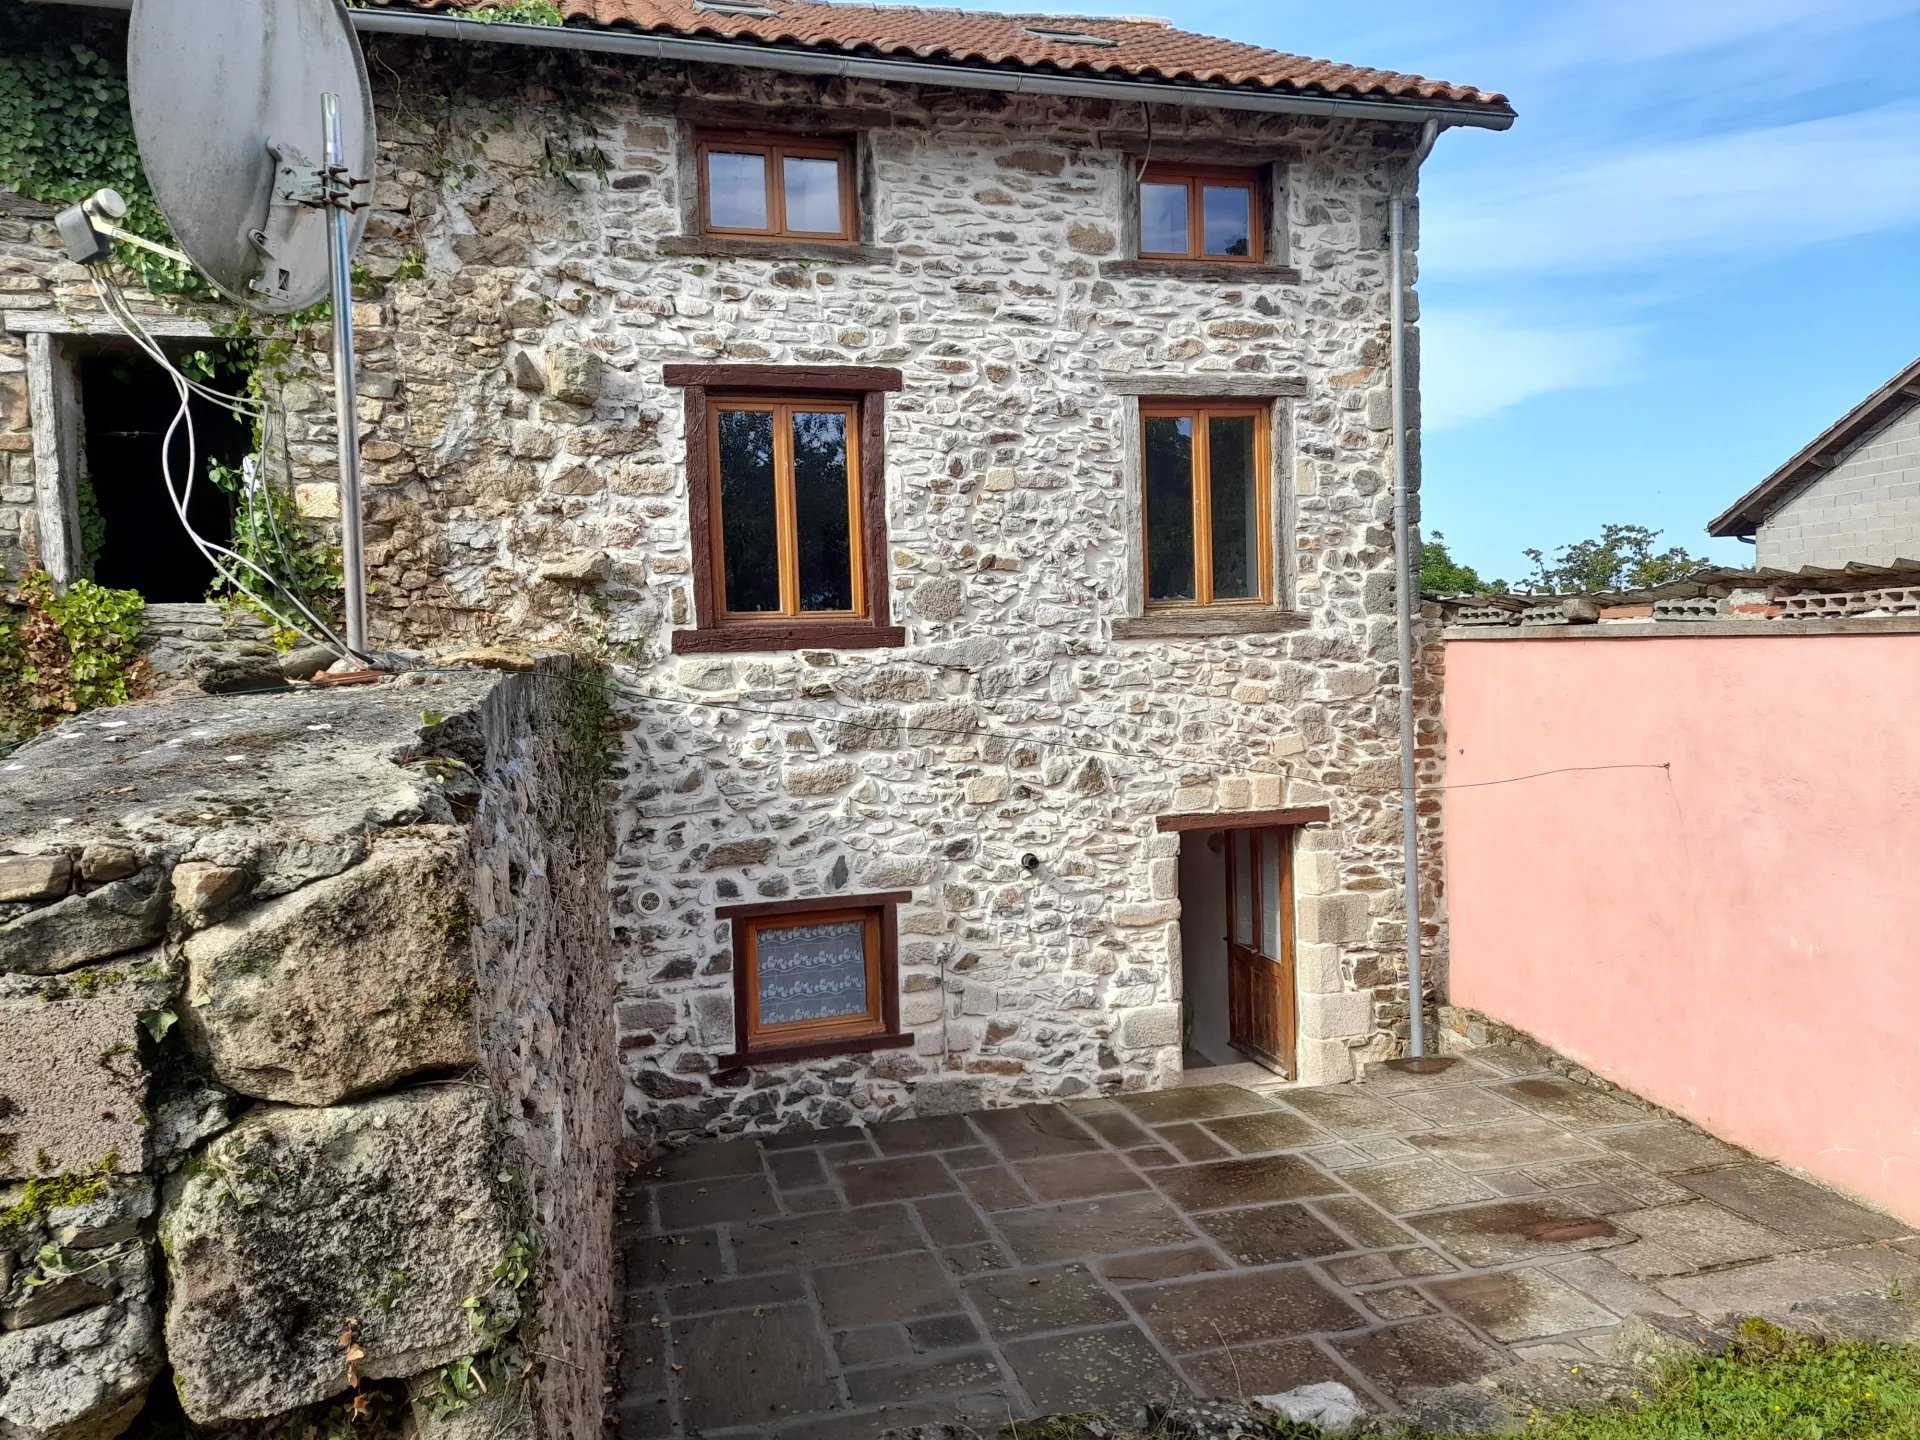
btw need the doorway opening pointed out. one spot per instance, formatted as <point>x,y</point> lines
<point>1236,939</point>
<point>131,533</point>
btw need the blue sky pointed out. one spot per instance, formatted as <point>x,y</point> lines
<point>1698,247</point>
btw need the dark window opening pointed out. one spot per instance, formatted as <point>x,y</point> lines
<point>133,536</point>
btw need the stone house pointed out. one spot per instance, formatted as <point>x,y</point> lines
<point>1852,496</point>
<point>969,440</point>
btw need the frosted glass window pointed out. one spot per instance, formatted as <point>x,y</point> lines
<point>812,972</point>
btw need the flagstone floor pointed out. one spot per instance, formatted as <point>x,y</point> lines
<point>1400,1234</point>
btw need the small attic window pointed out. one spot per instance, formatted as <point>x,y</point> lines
<point>735,7</point>
<point>1068,37</point>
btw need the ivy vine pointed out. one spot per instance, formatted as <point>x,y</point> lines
<point>61,654</point>
<point>66,131</point>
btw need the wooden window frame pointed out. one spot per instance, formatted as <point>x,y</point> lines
<point>711,387</point>
<point>786,519</point>
<point>1196,178</point>
<point>877,1029</point>
<point>1201,411</point>
<point>775,150</point>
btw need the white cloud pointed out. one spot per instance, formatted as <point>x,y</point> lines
<point>1476,363</point>
<point>1608,32</point>
<point>1760,193</point>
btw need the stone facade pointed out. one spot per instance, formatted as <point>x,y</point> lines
<point>1865,510</point>
<point>280,978</point>
<point>526,473</point>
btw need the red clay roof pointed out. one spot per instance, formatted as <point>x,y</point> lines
<point>1141,49</point>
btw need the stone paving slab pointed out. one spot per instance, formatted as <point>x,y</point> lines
<point>1400,1235</point>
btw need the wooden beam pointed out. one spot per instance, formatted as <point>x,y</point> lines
<point>1243,819</point>
<point>1206,386</point>
<point>783,379</point>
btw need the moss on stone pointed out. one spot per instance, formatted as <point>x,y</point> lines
<point>52,1192</point>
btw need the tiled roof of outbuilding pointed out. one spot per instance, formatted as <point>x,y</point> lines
<point>1130,48</point>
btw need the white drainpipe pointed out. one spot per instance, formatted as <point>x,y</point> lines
<point>1407,568</point>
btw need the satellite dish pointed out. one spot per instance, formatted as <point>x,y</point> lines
<point>226,98</point>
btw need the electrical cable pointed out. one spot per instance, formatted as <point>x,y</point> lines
<point>220,557</point>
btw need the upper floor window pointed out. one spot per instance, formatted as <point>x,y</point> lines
<point>777,187</point>
<point>786,505</point>
<point>1208,503</point>
<point>786,490</point>
<point>1194,212</point>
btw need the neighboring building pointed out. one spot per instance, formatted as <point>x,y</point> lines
<point>1638,776</point>
<point>969,437</point>
<point>1851,497</point>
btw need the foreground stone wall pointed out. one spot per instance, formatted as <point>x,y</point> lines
<point>306,1065</point>
<point>526,468</point>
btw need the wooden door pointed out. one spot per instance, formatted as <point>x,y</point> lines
<point>1260,1011</point>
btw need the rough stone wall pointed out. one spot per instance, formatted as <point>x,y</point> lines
<point>256,962</point>
<point>526,475</point>
<point>545,1001</point>
<point>1864,510</point>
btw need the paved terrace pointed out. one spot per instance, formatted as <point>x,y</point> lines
<point>1401,1233</point>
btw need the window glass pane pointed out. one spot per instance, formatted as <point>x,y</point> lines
<point>820,510</point>
<point>813,194</point>
<point>1163,219</point>
<point>736,190</point>
<point>749,537</point>
<point>1226,213</point>
<point>811,972</point>
<point>1271,851</point>
<point>1169,470</point>
<point>1235,489</point>
<point>1240,846</point>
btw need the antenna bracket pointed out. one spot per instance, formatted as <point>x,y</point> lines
<point>299,185</point>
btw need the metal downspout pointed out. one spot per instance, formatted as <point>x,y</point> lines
<point>1406,571</point>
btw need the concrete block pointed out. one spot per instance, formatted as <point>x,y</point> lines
<point>1158,912</point>
<point>1347,1014</point>
<point>1164,878</point>
<point>1318,969</point>
<point>1315,873</point>
<point>1324,1062</point>
<point>1150,1026</point>
<point>71,1087</point>
<point>1333,919</point>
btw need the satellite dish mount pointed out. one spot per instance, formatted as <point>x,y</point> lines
<point>217,90</point>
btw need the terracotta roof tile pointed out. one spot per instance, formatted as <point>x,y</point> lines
<point>1140,49</point>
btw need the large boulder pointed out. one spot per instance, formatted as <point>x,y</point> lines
<point>83,1376</point>
<point>391,1213</point>
<point>345,986</point>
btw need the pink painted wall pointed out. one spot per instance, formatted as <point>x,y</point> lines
<point>1734,932</point>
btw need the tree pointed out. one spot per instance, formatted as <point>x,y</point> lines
<point>1441,574</point>
<point>1623,558</point>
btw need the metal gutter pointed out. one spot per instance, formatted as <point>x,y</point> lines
<point>897,72</point>
<point>1406,572</point>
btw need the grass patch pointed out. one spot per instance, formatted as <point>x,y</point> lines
<point>1771,1383</point>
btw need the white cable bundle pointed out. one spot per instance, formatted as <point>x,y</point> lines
<point>223,558</point>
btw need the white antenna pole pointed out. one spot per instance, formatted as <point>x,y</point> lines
<point>338,185</point>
